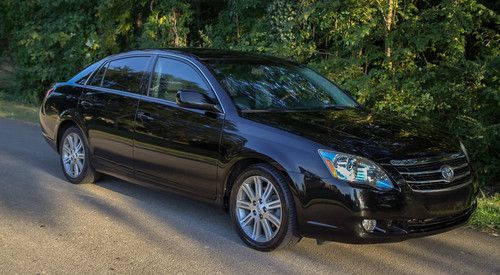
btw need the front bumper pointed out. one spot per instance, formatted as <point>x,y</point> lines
<point>332,210</point>
<point>403,229</point>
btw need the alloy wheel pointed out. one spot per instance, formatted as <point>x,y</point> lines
<point>73,155</point>
<point>259,209</point>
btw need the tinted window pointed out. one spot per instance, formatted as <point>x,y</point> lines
<point>171,76</point>
<point>262,85</point>
<point>126,74</point>
<point>97,78</point>
<point>83,80</point>
<point>81,77</point>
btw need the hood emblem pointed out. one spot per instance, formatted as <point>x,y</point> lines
<point>447,173</point>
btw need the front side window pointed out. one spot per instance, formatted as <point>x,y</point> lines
<point>267,85</point>
<point>171,75</point>
<point>126,74</point>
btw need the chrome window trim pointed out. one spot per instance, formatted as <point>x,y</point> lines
<point>109,59</point>
<point>147,97</point>
<point>112,91</point>
<point>138,97</point>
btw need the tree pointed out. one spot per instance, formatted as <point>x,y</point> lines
<point>435,62</point>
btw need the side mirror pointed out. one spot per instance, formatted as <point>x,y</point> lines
<point>195,100</point>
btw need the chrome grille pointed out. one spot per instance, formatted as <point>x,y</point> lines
<point>425,174</point>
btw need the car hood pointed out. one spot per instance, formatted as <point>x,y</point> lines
<point>355,131</point>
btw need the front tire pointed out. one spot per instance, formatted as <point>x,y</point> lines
<point>262,209</point>
<point>75,157</point>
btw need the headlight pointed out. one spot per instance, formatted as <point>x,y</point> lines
<point>355,169</point>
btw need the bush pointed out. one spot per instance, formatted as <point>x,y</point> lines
<point>436,62</point>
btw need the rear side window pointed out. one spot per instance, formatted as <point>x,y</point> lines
<point>125,74</point>
<point>171,75</point>
<point>97,78</point>
<point>81,77</point>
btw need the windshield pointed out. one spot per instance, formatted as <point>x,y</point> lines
<point>257,85</point>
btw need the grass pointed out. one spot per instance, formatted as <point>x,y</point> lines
<point>487,216</point>
<point>11,107</point>
<point>20,111</point>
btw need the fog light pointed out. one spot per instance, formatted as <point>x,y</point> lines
<point>369,225</point>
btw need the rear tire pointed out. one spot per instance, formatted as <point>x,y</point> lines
<point>75,157</point>
<point>263,210</point>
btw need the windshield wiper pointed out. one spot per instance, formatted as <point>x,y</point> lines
<point>338,107</point>
<point>299,109</point>
<point>270,110</point>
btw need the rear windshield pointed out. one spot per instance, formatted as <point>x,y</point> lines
<point>262,85</point>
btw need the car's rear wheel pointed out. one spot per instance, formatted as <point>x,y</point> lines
<point>75,157</point>
<point>262,209</point>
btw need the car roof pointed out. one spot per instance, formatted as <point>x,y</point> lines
<point>205,54</point>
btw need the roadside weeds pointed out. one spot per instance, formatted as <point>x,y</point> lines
<point>19,111</point>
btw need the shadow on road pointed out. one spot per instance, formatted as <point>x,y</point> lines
<point>203,224</point>
<point>441,253</point>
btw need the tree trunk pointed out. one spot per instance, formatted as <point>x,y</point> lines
<point>388,26</point>
<point>174,28</point>
<point>389,15</point>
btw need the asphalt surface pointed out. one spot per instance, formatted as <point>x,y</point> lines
<point>50,226</point>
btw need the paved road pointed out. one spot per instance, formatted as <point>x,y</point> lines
<point>50,226</point>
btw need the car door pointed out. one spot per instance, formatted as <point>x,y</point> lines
<point>108,108</point>
<point>177,146</point>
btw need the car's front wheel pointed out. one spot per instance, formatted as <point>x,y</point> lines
<point>75,157</point>
<point>262,209</point>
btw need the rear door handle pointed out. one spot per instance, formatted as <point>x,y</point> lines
<point>85,104</point>
<point>145,117</point>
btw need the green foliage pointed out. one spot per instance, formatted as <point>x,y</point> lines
<point>436,62</point>
<point>48,40</point>
<point>167,26</point>
<point>487,215</point>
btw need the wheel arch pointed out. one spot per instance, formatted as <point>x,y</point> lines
<point>63,125</point>
<point>241,164</point>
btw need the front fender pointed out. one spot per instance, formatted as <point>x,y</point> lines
<point>246,142</point>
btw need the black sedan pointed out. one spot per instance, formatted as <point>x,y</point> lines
<point>283,149</point>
